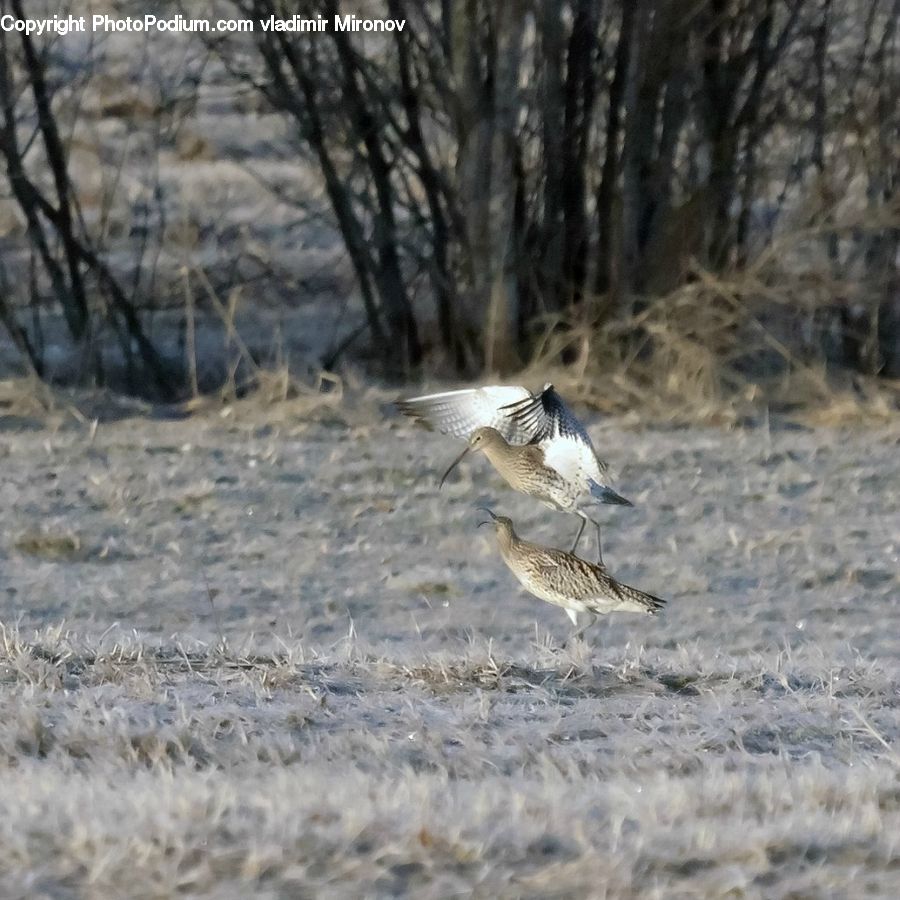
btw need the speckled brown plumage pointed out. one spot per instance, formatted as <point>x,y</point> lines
<point>535,442</point>
<point>567,580</point>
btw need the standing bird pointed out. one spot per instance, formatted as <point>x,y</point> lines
<point>567,580</point>
<point>534,441</point>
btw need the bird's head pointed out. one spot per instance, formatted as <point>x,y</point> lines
<point>503,525</point>
<point>483,438</point>
<point>480,439</point>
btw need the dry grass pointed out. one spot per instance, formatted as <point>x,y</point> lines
<point>148,770</point>
<point>292,667</point>
<point>724,348</point>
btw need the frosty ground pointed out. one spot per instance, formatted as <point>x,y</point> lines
<point>257,650</point>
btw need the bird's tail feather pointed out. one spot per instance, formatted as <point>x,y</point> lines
<point>639,601</point>
<point>606,494</point>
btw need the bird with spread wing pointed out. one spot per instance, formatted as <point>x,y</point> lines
<point>534,441</point>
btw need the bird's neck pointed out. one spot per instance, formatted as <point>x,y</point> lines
<point>508,540</point>
<point>499,454</point>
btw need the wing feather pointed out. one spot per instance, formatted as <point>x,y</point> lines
<point>549,415</point>
<point>586,581</point>
<point>459,413</point>
<point>522,418</point>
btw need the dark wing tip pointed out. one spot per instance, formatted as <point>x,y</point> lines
<point>651,603</point>
<point>408,408</point>
<point>560,418</point>
<point>532,414</point>
<point>551,399</point>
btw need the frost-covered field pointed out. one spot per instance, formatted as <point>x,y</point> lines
<point>389,714</point>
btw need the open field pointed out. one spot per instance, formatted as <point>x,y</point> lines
<point>257,651</point>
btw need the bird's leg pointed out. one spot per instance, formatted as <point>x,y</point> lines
<point>585,518</point>
<point>580,532</point>
<point>580,631</point>
<point>599,544</point>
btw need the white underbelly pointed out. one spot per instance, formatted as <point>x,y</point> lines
<point>574,461</point>
<point>562,499</point>
<point>543,592</point>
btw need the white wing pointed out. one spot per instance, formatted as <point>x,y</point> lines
<point>459,413</point>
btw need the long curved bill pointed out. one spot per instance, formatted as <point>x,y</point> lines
<point>490,512</point>
<point>453,465</point>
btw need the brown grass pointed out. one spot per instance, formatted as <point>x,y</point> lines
<point>687,357</point>
<point>156,770</point>
<point>344,693</point>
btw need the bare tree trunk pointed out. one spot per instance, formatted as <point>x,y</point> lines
<point>486,168</point>
<point>76,306</point>
<point>609,275</point>
<point>38,210</point>
<point>886,327</point>
<point>822,319</point>
<point>442,279</point>
<point>24,192</point>
<point>17,333</point>
<point>889,327</point>
<point>719,98</point>
<point>551,241</point>
<point>388,276</point>
<point>307,116</point>
<point>579,106</point>
<point>668,47</point>
<point>647,73</point>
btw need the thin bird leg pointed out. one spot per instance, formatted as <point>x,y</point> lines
<point>585,518</point>
<point>599,544</point>
<point>580,532</point>
<point>580,631</point>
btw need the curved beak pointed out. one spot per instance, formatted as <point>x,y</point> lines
<point>453,465</point>
<point>489,512</point>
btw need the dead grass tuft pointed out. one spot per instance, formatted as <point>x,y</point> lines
<point>717,350</point>
<point>49,545</point>
<point>230,772</point>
